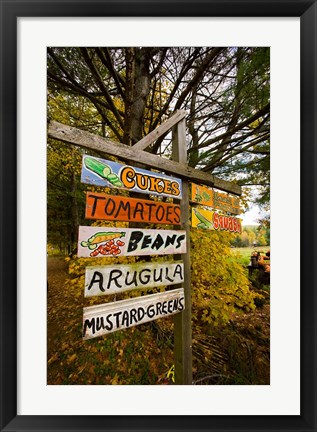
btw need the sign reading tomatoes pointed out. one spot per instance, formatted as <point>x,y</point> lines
<point>101,172</point>
<point>119,208</point>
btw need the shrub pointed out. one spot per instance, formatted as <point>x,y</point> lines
<point>220,285</point>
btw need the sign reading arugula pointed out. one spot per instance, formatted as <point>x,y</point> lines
<point>210,198</point>
<point>211,220</point>
<point>113,241</point>
<point>119,278</point>
<point>101,172</point>
<point>107,318</point>
<point>119,208</point>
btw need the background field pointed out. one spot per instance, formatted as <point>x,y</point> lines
<point>243,254</point>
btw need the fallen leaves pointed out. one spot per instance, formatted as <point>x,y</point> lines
<point>124,357</point>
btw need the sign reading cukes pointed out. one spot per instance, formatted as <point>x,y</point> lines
<point>101,172</point>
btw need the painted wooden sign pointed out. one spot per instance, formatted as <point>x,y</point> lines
<point>101,172</point>
<point>112,241</point>
<point>119,208</point>
<point>211,198</point>
<point>119,278</point>
<point>106,318</point>
<point>211,220</point>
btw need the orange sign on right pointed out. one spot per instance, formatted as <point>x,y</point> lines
<point>220,201</point>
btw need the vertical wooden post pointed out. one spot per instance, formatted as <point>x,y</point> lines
<point>182,321</point>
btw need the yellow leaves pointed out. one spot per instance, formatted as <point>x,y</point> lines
<point>70,359</point>
<point>65,346</point>
<point>220,283</point>
<point>53,359</point>
<point>115,379</point>
<point>255,124</point>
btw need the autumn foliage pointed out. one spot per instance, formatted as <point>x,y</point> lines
<point>220,286</point>
<point>143,354</point>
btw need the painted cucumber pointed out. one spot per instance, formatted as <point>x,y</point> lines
<point>203,220</point>
<point>97,167</point>
<point>103,170</point>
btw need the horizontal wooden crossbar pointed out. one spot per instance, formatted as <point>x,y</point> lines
<point>88,140</point>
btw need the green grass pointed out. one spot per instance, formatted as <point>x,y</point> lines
<point>243,254</point>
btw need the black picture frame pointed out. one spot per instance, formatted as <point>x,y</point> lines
<point>10,11</point>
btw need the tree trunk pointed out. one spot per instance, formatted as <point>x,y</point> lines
<point>141,92</point>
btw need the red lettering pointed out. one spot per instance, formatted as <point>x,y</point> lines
<point>221,222</point>
<point>235,225</point>
<point>225,222</point>
<point>239,226</point>
<point>216,220</point>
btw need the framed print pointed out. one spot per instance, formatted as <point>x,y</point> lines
<point>33,395</point>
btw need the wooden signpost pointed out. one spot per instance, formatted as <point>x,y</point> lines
<point>211,198</point>
<point>107,318</point>
<point>81,138</point>
<point>103,319</point>
<point>119,208</point>
<point>101,172</point>
<point>113,241</point>
<point>212,220</point>
<point>116,279</point>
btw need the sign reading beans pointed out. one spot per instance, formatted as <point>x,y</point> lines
<point>113,241</point>
<point>101,172</point>
<point>119,208</point>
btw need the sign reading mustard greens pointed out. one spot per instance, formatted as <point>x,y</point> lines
<point>113,241</point>
<point>211,220</point>
<point>119,208</point>
<point>101,172</point>
<point>217,200</point>
<point>106,318</point>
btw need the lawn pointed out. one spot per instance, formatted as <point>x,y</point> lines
<point>244,253</point>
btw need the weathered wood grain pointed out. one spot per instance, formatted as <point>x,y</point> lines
<point>182,322</point>
<point>160,130</point>
<point>85,139</point>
